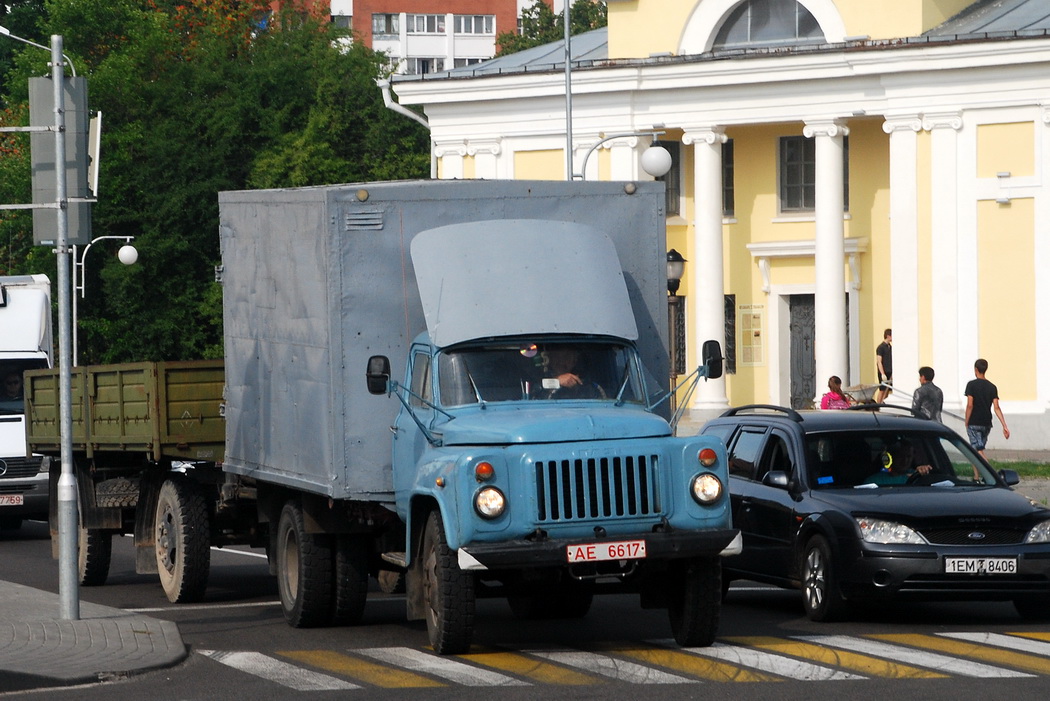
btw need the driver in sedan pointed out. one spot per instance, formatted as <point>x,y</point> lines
<point>898,465</point>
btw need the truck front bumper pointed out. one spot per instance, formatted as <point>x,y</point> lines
<point>553,552</point>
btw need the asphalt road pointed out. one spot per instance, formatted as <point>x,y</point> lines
<point>767,649</point>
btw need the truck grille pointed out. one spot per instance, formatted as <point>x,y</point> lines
<point>589,488</point>
<point>16,468</point>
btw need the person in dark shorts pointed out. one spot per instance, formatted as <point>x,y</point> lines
<point>982,398</point>
<point>884,366</point>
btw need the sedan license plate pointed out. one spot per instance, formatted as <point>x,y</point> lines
<point>980,565</point>
<point>602,552</point>
<point>11,500</point>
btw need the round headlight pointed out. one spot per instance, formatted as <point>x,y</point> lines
<point>490,502</point>
<point>706,488</point>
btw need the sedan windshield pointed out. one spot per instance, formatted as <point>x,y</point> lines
<point>538,371</point>
<point>893,459</point>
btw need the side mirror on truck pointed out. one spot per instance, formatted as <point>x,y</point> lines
<point>712,356</point>
<point>378,374</point>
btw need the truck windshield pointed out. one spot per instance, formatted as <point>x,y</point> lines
<point>538,371</point>
<point>12,384</point>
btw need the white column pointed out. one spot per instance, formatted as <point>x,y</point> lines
<point>904,250</point>
<point>707,306</point>
<point>450,42</point>
<point>949,300</point>
<point>484,153</point>
<point>624,158</point>
<point>829,308</point>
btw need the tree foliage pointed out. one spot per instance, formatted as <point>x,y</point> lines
<point>540,25</point>
<point>199,96</point>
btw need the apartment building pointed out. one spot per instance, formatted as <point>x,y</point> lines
<point>428,36</point>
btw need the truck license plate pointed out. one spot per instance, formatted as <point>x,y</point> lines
<point>601,552</point>
<point>11,499</point>
<point>980,565</point>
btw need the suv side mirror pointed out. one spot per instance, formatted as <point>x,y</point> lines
<point>378,374</point>
<point>712,358</point>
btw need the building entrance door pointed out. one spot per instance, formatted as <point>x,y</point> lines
<point>803,358</point>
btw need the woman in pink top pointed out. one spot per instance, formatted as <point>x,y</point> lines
<point>834,399</point>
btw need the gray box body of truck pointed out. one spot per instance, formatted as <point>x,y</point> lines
<point>317,280</point>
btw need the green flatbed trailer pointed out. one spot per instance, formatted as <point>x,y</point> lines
<point>148,444</point>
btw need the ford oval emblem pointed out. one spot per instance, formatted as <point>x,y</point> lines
<point>976,535</point>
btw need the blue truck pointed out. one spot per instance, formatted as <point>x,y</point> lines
<point>457,388</point>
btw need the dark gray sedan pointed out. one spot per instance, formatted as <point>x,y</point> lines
<point>858,506</point>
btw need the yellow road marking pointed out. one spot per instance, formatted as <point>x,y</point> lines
<point>979,651</point>
<point>703,667</point>
<point>526,666</point>
<point>1034,635</point>
<point>362,670</point>
<point>837,658</point>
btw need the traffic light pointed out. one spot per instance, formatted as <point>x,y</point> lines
<point>42,157</point>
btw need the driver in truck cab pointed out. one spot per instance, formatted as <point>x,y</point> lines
<point>565,377</point>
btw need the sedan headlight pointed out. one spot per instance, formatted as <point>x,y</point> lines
<point>1039,534</point>
<point>875,530</point>
<point>490,503</point>
<point>706,488</point>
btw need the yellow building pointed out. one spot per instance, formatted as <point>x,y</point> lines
<point>839,167</point>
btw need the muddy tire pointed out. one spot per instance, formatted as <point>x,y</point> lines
<point>448,593</point>
<point>120,492</point>
<point>183,541</point>
<point>94,551</point>
<point>696,601</point>
<point>305,564</point>
<point>351,579</point>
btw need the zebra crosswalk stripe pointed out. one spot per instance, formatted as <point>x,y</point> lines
<point>1012,642</point>
<point>620,670</point>
<point>920,658</point>
<point>274,670</point>
<point>444,667</point>
<point>770,662</point>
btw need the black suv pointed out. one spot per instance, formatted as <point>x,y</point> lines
<point>861,505</point>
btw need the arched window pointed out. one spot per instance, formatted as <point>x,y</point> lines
<point>768,23</point>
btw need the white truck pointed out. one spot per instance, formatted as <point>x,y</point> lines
<point>25,344</point>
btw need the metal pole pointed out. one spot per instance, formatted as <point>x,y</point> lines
<point>68,526</point>
<point>568,93</point>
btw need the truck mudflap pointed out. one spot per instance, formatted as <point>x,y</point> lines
<point>553,552</point>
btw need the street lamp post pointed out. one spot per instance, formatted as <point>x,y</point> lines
<point>127,255</point>
<point>656,160</point>
<point>68,521</point>
<point>675,317</point>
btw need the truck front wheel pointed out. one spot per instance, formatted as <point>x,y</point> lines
<point>448,593</point>
<point>696,601</point>
<point>183,541</point>
<point>304,571</point>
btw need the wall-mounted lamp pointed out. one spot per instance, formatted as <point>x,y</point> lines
<point>1002,200</point>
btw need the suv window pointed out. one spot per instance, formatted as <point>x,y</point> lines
<point>743,456</point>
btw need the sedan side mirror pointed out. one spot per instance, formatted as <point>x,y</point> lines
<point>378,374</point>
<point>1010,477</point>
<point>776,478</point>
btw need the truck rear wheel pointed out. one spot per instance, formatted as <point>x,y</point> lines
<point>696,601</point>
<point>304,571</point>
<point>183,541</point>
<point>351,579</point>
<point>448,593</point>
<point>93,556</point>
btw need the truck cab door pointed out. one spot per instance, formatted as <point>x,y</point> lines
<point>409,441</point>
